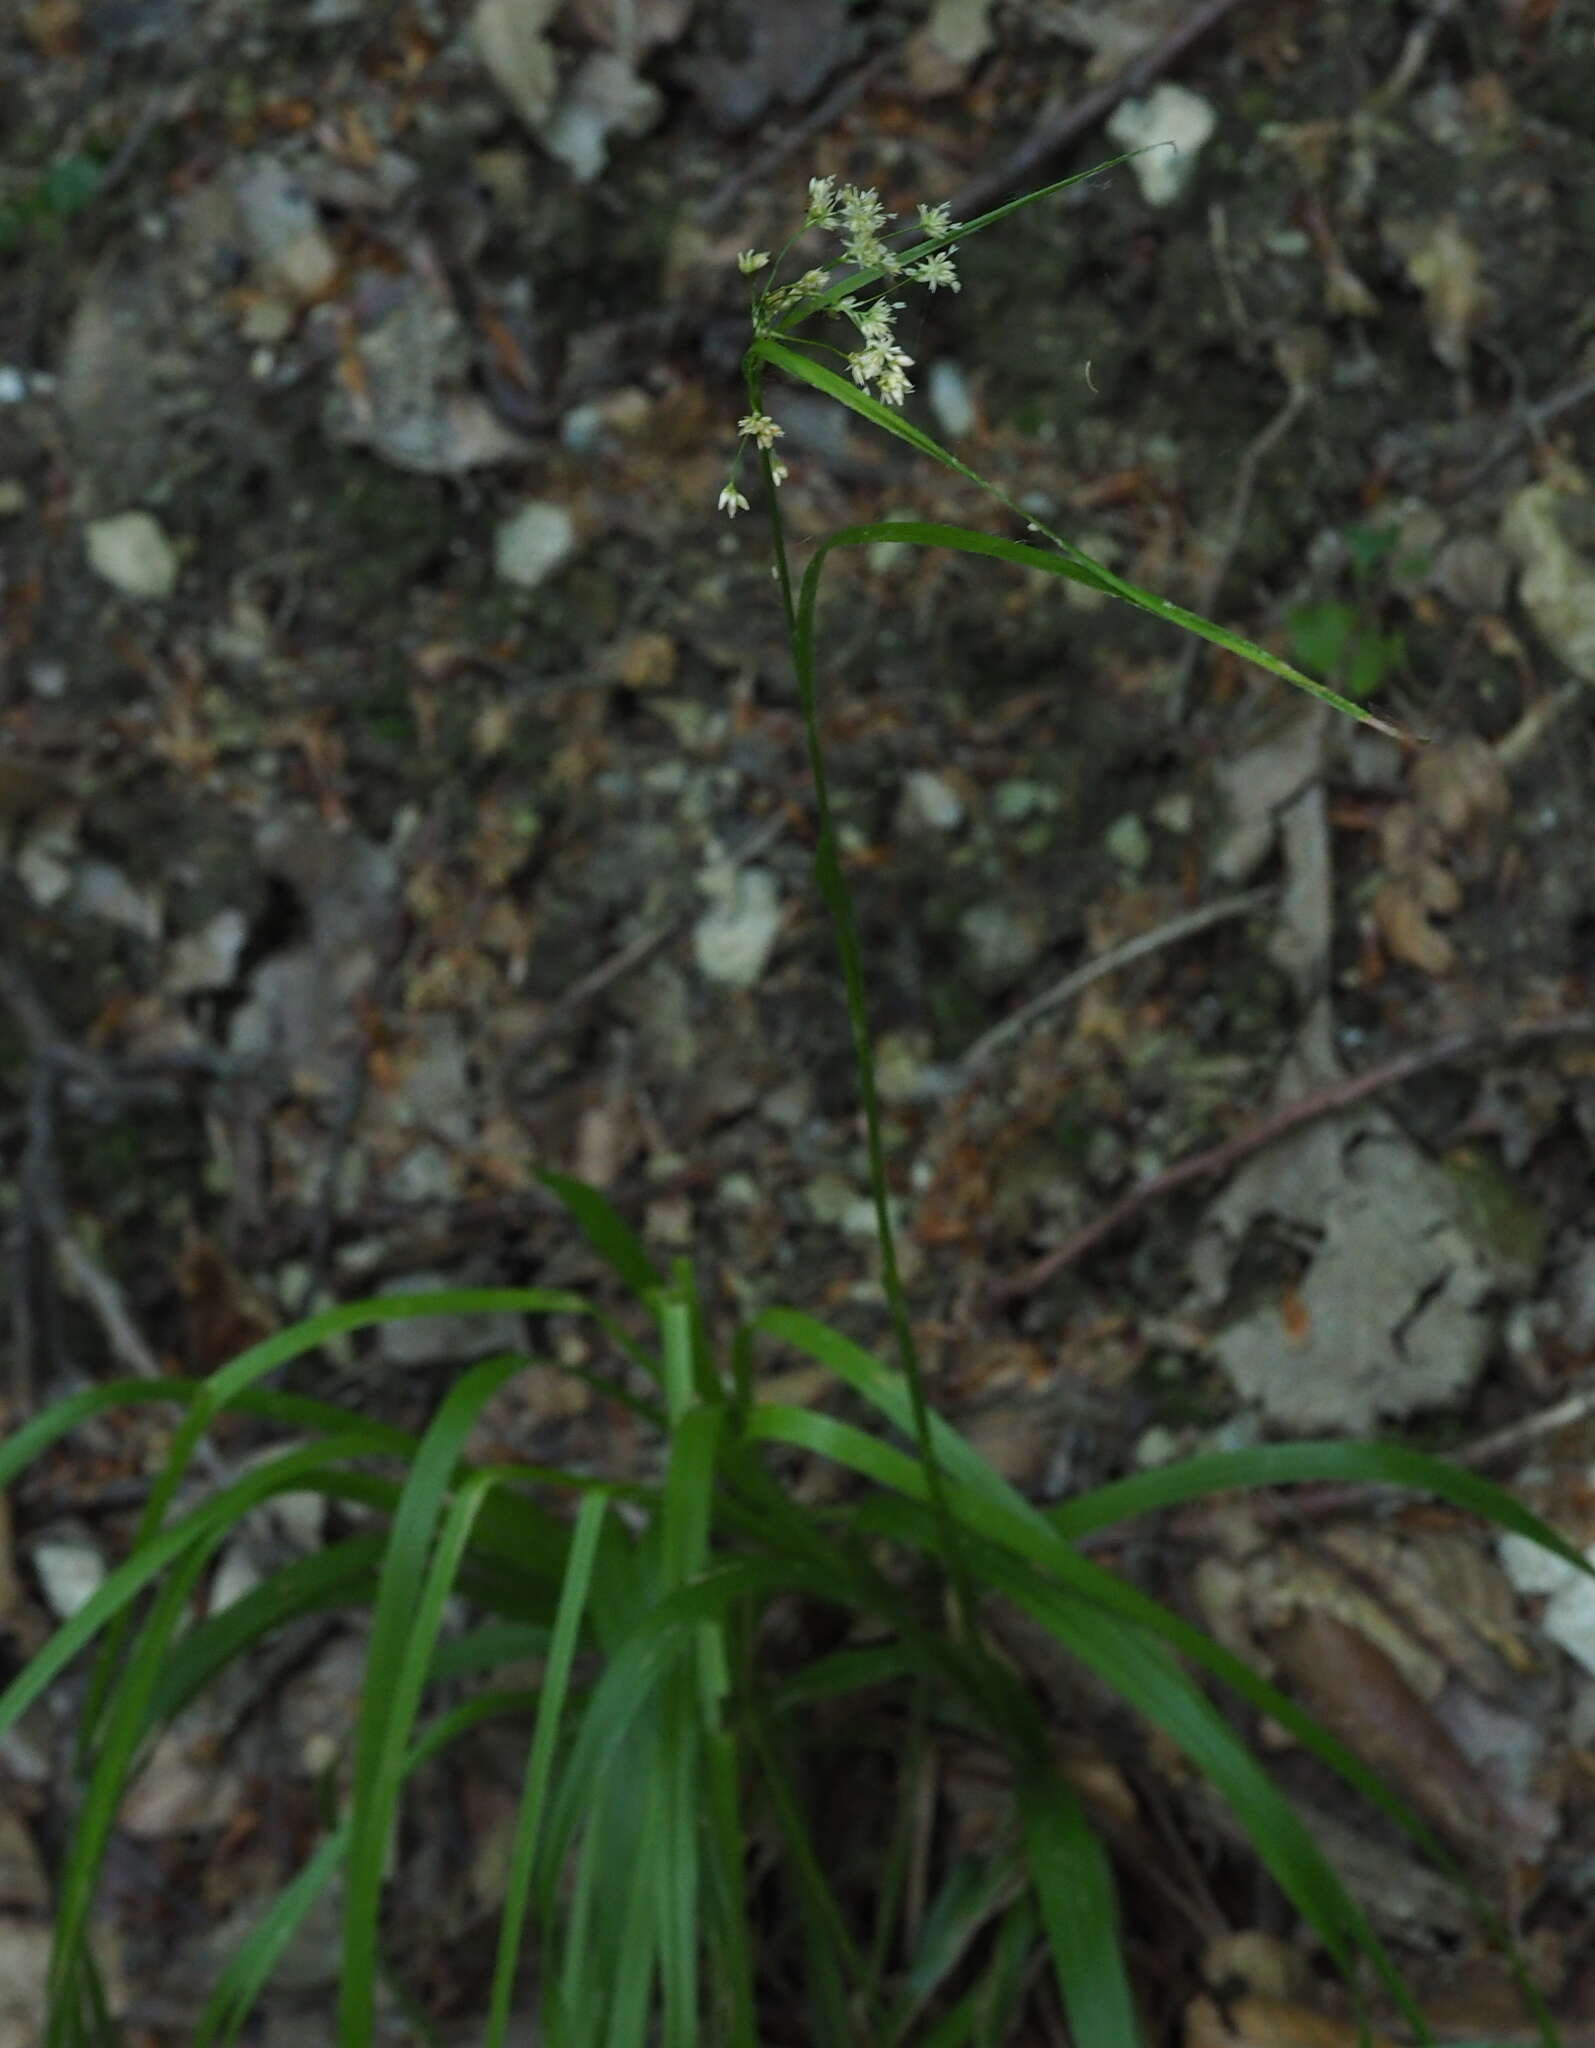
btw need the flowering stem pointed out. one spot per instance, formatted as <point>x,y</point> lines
<point>838,899</point>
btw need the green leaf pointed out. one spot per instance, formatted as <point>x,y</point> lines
<point>615,1243</point>
<point>1074,1885</point>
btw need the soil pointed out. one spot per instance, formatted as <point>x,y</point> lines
<point>348,882</point>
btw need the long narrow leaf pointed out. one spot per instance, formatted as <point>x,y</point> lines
<point>1074,1886</point>
<point>408,1608</point>
<point>552,1698</point>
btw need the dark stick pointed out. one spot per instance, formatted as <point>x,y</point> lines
<point>1054,132</point>
<point>1328,1101</point>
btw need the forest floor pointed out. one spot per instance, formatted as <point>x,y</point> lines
<point>402,790</point>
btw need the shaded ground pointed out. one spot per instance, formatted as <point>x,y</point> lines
<point>389,800</point>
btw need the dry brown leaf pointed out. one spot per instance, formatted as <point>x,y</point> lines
<point>1445,267</point>
<point>1461,788</point>
<point>1402,921</point>
<point>1269,2023</point>
<point>1360,1695</point>
<point>1459,797</point>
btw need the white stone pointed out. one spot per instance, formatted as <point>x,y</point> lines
<point>1532,1569</point>
<point>103,891</point>
<point>533,543</point>
<point>1000,942</point>
<point>509,39</point>
<point>71,1571</point>
<point>443,1339</point>
<point>931,802</point>
<point>1128,842</point>
<point>207,958</point>
<point>1569,1620</point>
<point>605,98</point>
<point>733,940</point>
<point>132,552</point>
<point>1557,586</point>
<point>1170,114</point>
<point>948,392</point>
<point>284,229</point>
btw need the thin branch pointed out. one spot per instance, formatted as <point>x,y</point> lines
<point>990,1043</point>
<point>815,122</point>
<point>1330,1101</point>
<point>1055,131</point>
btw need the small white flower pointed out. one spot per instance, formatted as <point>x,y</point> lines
<point>751,260</point>
<point>758,426</point>
<point>863,211</point>
<point>894,386</point>
<point>811,284</point>
<point>875,322</point>
<point>937,270</point>
<point>936,220</point>
<point>779,473</point>
<point>732,501</point>
<point>822,203</point>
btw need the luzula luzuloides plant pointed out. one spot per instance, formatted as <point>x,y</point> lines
<point>659,1742</point>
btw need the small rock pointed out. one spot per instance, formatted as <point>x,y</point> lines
<point>886,557</point>
<point>942,51</point>
<point>509,39</point>
<point>605,98</point>
<point>1013,802</point>
<point>733,940</point>
<point>829,1198</point>
<point>1557,587</point>
<point>284,230</point>
<point>1128,842</point>
<point>105,892</point>
<point>1575,1295</point>
<point>900,1062</point>
<point>1170,114</point>
<point>1531,1569</point>
<point>1156,1446</point>
<point>930,803</point>
<point>533,543</point>
<point>444,1339</point>
<point>132,552</point>
<point>208,958</point>
<point>44,864</point>
<point>1569,1619</point>
<point>948,392</point>
<point>70,1570</point>
<point>1472,572</point>
<point>1000,941</point>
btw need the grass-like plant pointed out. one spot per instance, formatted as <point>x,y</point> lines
<point>666,1841</point>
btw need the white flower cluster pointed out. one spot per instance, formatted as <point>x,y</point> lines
<point>862,222</point>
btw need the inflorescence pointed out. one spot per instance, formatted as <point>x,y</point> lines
<point>879,361</point>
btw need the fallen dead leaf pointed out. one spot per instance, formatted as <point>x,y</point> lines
<point>1445,267</point>
<point>1459,797</point>
<point>1269,2023</point>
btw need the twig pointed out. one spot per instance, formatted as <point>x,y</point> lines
<point>636,951</point>
<point>990,1043</point>
<point>1054,132</point>
<point>1517,1436</point>
<point>818,118</point>
<point>1340,1095</point>
<point>1234,526</point>
<point>105,1298</point>
<point>1534,420</point>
